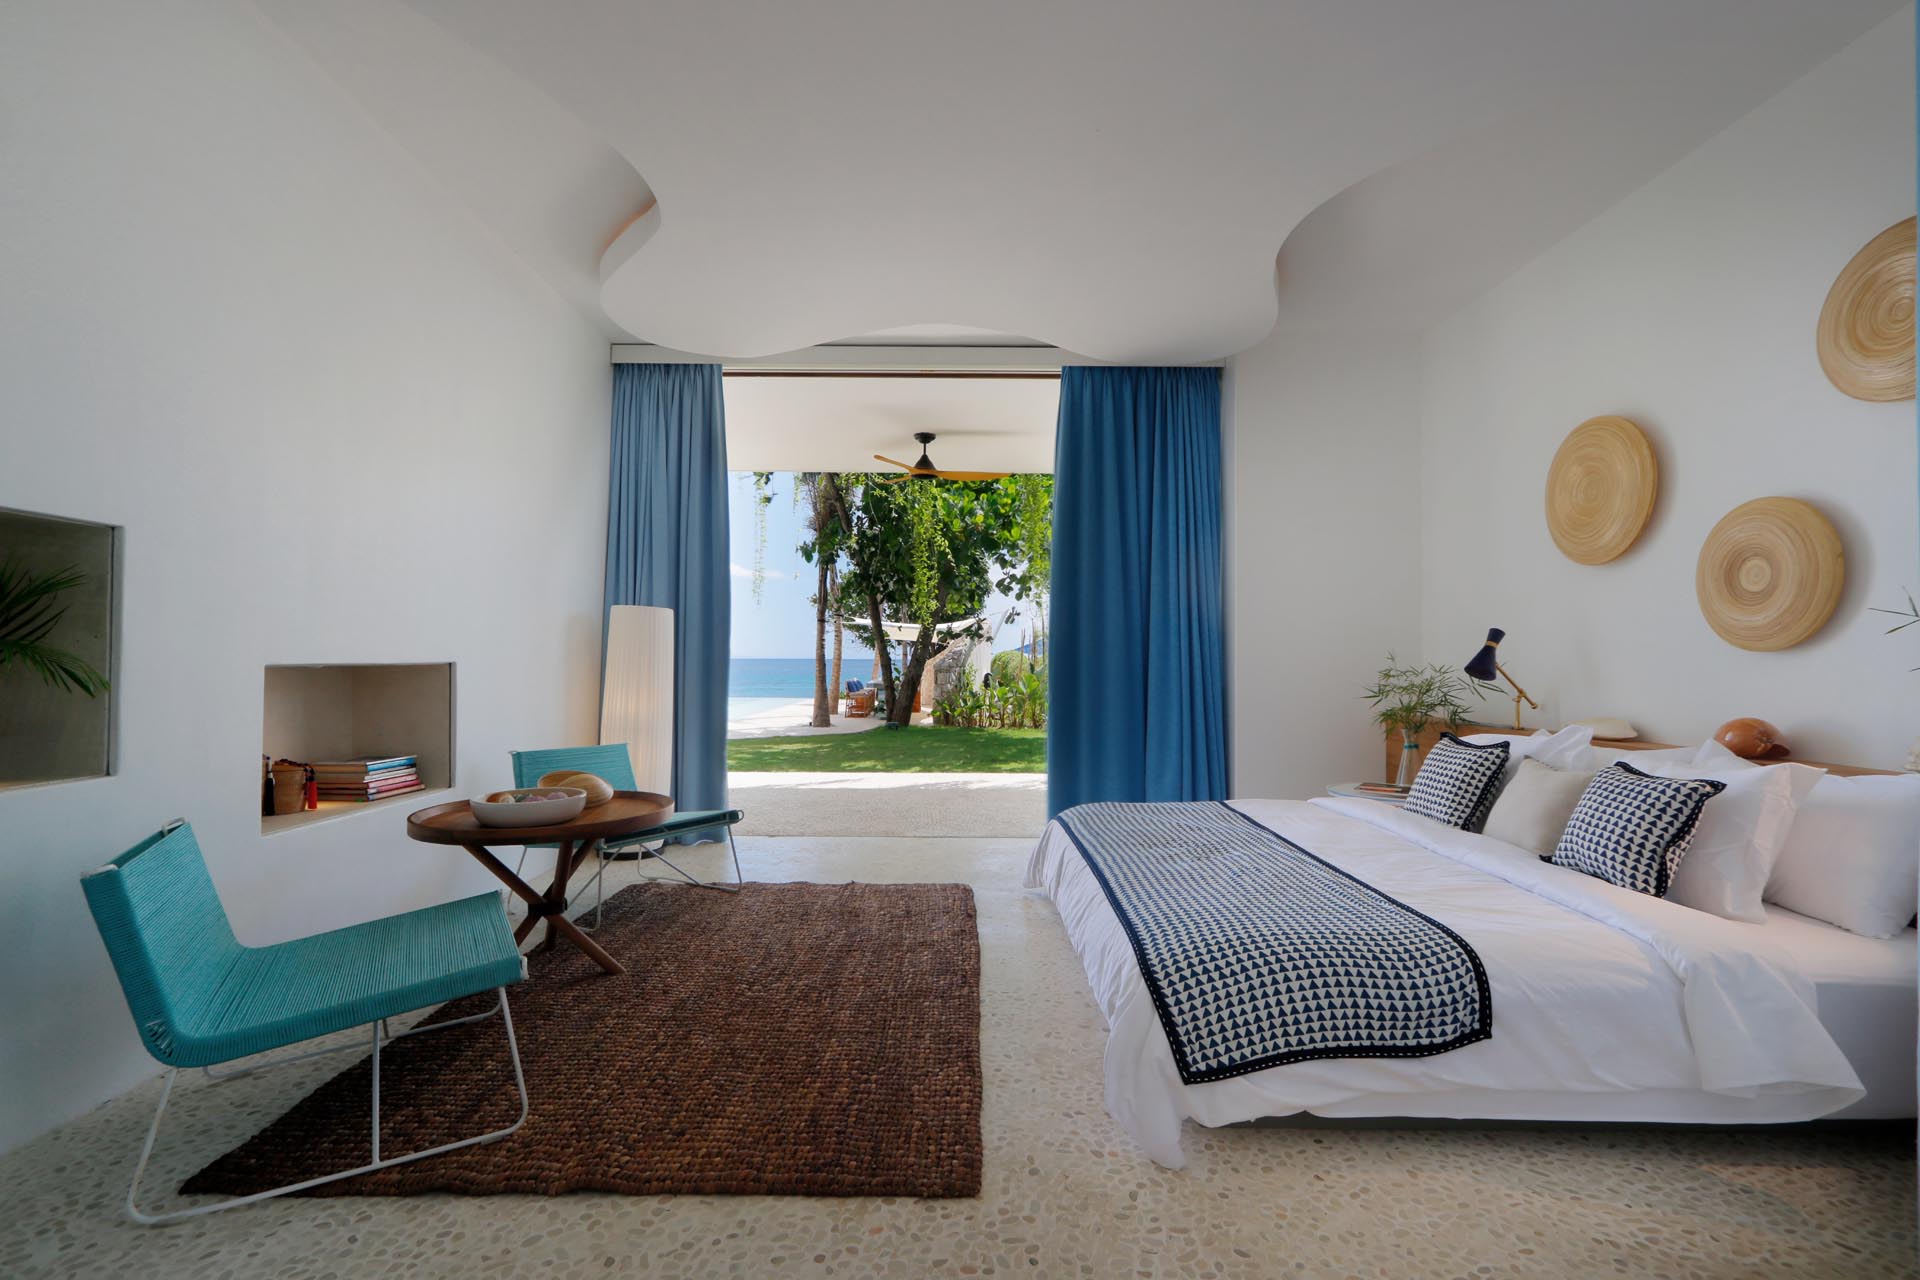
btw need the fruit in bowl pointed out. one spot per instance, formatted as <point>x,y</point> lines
<point>529,807</point>
<point>598,789</point>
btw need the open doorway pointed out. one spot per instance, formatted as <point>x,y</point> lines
<point>888,659</point>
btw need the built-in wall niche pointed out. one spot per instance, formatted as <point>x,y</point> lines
<point>350,711</point>
<point>58,585</point>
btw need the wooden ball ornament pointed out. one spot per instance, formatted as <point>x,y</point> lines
<point>1865,337</point>
<point>1751,738</point>
<point>598,789</point>
<point>1770,574</point>
<point>1600,489</point>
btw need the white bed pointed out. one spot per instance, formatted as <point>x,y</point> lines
<point>1608,1005</point>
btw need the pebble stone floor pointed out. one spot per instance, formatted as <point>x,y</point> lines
<point>1065,1193</point>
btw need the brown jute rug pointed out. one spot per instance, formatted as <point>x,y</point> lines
<point>791,1039</point>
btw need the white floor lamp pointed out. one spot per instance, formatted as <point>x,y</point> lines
<point>636,697</point>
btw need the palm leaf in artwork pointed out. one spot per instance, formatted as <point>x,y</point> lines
<point>29,611</point>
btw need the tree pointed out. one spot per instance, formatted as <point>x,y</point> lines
<point>930,551</point>
<point>921,551</point>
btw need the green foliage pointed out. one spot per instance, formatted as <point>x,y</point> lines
<point>929,552</point>
<point>930,749</point>
<point>1409,698</point>
<point>1013,664</point>
<point>762,499</point>
<point>1016,703</point>
<point>29,611</point>
<point>1909,615</point>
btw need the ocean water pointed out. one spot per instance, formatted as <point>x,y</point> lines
<point>759,685</point>
<point>782,678</point>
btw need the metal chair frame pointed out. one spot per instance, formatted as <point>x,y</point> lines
<point>601,859</point>
<point>381,1036</point>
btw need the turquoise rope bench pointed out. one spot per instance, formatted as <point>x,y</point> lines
<point>612,762</point>
<point>198,997</point>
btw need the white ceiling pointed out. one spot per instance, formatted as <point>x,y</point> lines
<point>1112,178</point>
<point>838,424</point>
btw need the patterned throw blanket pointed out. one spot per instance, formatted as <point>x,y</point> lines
<point>1257,953</point>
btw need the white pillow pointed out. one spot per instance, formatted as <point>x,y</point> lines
<point>1567,748</point>
<point>1533,811</point>
<point>1853,856</point>
<point>1739,837</point>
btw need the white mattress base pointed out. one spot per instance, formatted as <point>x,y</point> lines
<point>1646,1045</point>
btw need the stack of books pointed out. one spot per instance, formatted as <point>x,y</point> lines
<point>366,779</point>
<point>1380,788</point>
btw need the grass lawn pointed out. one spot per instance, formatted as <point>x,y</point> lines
<point>915,749</point>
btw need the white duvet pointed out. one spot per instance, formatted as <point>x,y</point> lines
<point>1607,1004</point>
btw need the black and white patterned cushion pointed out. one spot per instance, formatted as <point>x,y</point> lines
<point>1631,828</point>
<point>1457,782</point>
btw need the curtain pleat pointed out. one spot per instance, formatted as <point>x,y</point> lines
<point>1136,696</point>
<point>667,546</point>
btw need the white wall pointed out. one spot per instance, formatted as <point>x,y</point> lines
<point>1321,456</point>
<point>336,422</point>
<point>1690,307</point>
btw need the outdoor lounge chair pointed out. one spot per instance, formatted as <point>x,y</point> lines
<point>860,698</point>
<point>199,998</point>
<point>612,762</point>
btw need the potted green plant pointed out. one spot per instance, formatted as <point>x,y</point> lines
<point>1409,698</point>
<point>30,609</point>
<point>1910,616</point>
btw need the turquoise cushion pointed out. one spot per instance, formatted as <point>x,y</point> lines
<point>314,986</point>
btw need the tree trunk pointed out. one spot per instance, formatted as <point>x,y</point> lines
<point>821,717</point>
<point>883,659</point>
<point>839,643</point>
<point>900,711</point>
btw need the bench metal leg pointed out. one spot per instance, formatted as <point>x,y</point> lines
<point>179,1215</point>
<point>695,881</point>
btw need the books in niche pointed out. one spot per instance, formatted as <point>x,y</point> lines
<point>368,778</point>
<point>363,766</point>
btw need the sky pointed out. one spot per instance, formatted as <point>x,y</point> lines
<point>780,623</point>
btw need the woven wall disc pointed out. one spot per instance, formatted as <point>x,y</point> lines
<point>1770,573</point>
<point>1866,326</point>
<point>1600,489</point>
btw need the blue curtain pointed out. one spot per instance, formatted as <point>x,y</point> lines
<point>1136,687</point>
<point>667,546</point>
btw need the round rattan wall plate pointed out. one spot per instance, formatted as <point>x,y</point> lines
<point>1770,574</point>
<point>1600,489</point>
<point>1866,326</point>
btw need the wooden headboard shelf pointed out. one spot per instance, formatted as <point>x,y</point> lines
<point>1640,744</point>
<point>1428,738</point>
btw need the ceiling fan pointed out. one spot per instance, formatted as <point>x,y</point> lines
<point>925,470</point>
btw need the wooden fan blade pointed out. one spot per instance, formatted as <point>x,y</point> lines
<point>973,475</point>
<point>895,462</point>
<point>895,480</point>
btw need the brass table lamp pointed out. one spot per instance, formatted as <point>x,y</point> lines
<point>1484,666</point>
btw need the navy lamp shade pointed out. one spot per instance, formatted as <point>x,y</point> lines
<point>1483,665</point>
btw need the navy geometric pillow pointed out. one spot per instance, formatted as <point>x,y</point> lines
<point>1631,828</point>
<point>1457,782</point>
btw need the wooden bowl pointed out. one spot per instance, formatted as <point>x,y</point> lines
<point>1865,337</point>
<point>1600,489</point>
<point>1770,574</point>
<point>495,810</point>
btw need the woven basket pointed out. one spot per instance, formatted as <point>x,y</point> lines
<point>289,788</point>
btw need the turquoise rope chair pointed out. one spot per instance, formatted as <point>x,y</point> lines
<point>198,997</point>
<point>612,762</point>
